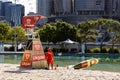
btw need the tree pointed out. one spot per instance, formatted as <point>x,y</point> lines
<point>57,32</point>
<point>65,31</point>
<point>47,33</point>
<point>20,34</point>
<point>87,30</point>
<point>4,31</point>
<point>101,23</point>
<point>110,26</point>
<point>114,28</point>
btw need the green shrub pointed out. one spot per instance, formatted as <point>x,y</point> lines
<point>96,50</point>
<point>6,49</point>
<point>104,50</point>
<point>11,48</point>
<point>63,50</point>
<point>88,51</point>
<point>56,50</point>
<point>114,50</point>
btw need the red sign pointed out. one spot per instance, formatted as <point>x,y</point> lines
<point>30,21</point>
<point>26,64</point>
<point>27,57</point>
<point>37,47</point>
<point>38,57</point>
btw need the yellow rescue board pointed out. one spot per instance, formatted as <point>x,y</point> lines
<point>86,63</point>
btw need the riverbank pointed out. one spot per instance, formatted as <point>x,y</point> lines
<point>14,72</point>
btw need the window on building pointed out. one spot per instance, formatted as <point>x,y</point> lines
<point>98,2</point>
<point>94,13</point>
<point>101,12</point>
<point>79,12</point>
<point>86,12</point>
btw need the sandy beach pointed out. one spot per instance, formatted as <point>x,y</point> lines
<point>14,72</point>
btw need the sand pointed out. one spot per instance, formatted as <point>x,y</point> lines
<point>14,72</point>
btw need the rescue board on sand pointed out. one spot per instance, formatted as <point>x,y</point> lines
<point>86,63</point>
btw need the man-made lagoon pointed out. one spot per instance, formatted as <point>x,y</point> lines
<point>108,62</point>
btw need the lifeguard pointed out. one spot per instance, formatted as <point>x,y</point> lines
<point>50,58</point>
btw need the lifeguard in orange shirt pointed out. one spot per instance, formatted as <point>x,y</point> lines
<point>50,58</point>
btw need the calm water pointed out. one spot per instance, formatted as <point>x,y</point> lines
<point>107,62</point>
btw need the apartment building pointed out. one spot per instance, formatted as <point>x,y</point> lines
<point>74,11</point>
<point>12,13</point>
<point>45,7</point>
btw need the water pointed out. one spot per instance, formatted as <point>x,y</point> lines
<point>107,62</point>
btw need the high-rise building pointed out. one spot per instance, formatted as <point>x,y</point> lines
<point>112,8</point>
<point>74,11</point>
<point>12,13</point>
<point>90,7</point>
<point>44,7</point>
<point>17,12</point>
<point>54,7</point>
<point>6,11</point>
<point>62,7</point>
<point>0,8</point>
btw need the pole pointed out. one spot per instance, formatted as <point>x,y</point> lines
<point>15,46</point>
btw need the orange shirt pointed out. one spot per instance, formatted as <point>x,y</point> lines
<point>49,57</point>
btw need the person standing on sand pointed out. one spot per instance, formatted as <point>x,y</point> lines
<point>50,58</point>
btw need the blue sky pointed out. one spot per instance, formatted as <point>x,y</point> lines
<point>30,5</point>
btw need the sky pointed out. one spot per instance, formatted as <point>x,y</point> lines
<point>30,5</point>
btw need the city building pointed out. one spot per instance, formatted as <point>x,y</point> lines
<point>112,8</point>
<point>90,7</point>
<point>17,12</point>
<point>0,8</point>
<point>12,13</point>
<point>1,17</point>
<point>75,11</point>
<point>44,7</point>
<point>6,11</point>
<point>62,7</point>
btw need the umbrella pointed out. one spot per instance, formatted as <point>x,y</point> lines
<point>69,41</point>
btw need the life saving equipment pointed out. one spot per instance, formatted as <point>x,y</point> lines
<point>86,63</point>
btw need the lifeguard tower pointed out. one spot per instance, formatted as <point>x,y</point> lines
<point>34,54</point>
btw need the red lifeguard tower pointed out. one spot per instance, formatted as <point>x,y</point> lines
<point>34,54</point>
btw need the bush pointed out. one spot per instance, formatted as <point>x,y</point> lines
<point>104,50</point>
<point>6,49</point>
<point>11,48</point>
<point>96,50</point>
<point>63,50</point>
<point>56,50</point>
<point>114,50</point>
<point>88,51</point>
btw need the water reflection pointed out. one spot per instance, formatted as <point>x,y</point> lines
<point>83,58</point>
<point>14,59</point>
<point>1,58</point>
